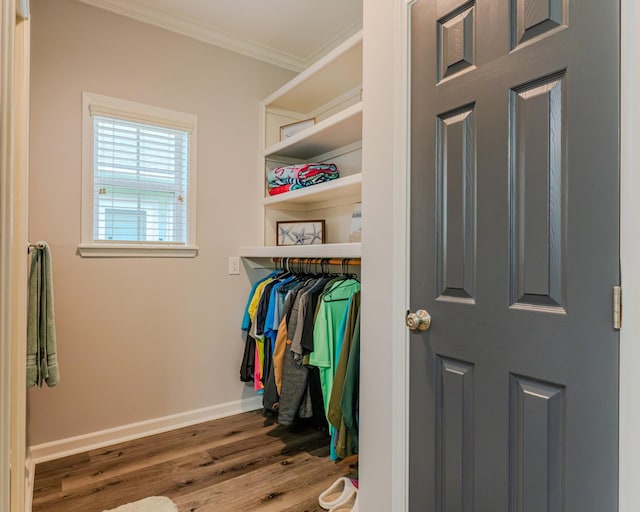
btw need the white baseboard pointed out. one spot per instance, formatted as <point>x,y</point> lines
<point>94,440</point>
<point>30,474</point>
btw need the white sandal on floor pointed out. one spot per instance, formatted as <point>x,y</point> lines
<point>338,491</point>
<point>348,505</point>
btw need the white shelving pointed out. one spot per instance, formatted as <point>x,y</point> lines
<point>330,91</point>
<point>339,130</point>
<point>346,250</point>
<point>328,78</point>
<point>318,196</point>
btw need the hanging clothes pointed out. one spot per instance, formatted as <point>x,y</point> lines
<point>252,361</point>
<point>344,386</point>
<point>331,308</point>
<point>300,329</point>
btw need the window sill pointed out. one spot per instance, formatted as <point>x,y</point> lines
<point>136,251</point>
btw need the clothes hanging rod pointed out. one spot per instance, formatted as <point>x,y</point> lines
<point>317,261</point>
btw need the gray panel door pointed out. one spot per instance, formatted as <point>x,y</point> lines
<point>514,252</point>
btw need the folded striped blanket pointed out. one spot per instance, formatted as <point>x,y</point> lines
<point>292,177</point>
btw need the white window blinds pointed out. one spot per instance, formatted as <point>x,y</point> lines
<point>139,181</point>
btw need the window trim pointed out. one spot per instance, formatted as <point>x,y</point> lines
<point>138,112</point>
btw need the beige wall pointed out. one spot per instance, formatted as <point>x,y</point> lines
<point>141,338</point>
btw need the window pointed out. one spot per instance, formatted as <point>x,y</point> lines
<point>138,180</point>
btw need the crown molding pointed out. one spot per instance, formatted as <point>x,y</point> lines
<point>168,20</point>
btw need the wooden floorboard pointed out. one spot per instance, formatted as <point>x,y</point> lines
<point>243,463</point>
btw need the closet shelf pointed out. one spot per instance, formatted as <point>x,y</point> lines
<point>330,91</point>
<point>347,190</point>
<point>326,79</point>
<point>339,130</point>
<point>347,250</point>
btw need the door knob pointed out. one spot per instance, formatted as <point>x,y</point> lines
<point>418,321</point>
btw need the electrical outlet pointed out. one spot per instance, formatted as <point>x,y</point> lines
<point>234,265</point>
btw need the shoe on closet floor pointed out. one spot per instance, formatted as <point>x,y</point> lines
<point>338,491</point>
<point>348,505</point>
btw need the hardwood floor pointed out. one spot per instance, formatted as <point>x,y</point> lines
<point>242,463</point>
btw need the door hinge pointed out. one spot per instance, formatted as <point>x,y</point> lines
<point>617,307</point>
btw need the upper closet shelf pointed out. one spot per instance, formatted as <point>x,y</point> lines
<point>339,130</point>
<point>338,71</point>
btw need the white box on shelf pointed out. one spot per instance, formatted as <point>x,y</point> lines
<point>356,223</point>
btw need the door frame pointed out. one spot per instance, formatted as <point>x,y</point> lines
<point>629,413</point>
<point>629,256</point>
<point>14,155</point>
<point>7,16</point>
<point>401,216</point>
<point>21,487</point>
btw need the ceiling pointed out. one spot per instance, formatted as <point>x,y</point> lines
<point>288,33</point>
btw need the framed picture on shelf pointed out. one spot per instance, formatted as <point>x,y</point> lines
<point>289,130</point>
<point>300,232</point>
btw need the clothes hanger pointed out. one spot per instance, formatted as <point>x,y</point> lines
<point>346,280</point>
<point>345,270</point>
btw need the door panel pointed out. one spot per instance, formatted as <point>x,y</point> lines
<point>456,204</point>
<point>514,250</point>
<point>537,445</point>
<point>532,18</point>
<point>537,192</point>
<point>454,435</point>
<point>455,41</point>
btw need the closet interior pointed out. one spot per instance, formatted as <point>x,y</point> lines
<point>315,119</point>
<point>302,347</point>
<point>302,320</point>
